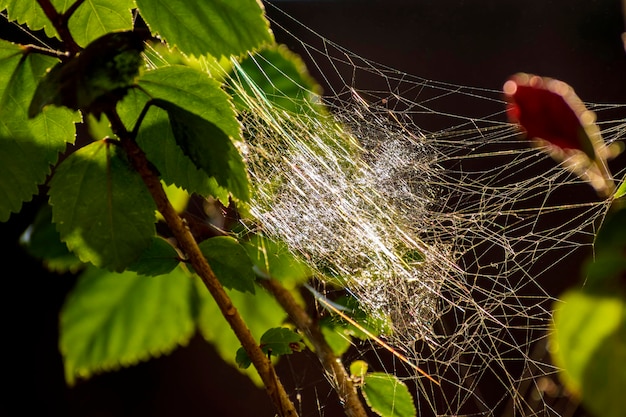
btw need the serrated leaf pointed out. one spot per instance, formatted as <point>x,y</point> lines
<point>111,320</point>
<point>101,207</point>
<point>260,312</point>
<point>91,20</point>
<point>209,148</point>
<point>387,396</point>
<point>156,139</point>
<point>28,147</point>
<point>30,13</point>
<point>274,259</point>
<point>358,369</point>
<point>281,76</point>
<point>42,241</point>
<point>230,263</point>
<point>95,79</point>
<point>588,340</point>
<point>242,359</point>
<point>338,337</point>
<point>281,341</point>
<point>159,258</point>
<point>195,92</point>
<point>95,18</point>
<point>218,27</point>
<point>274,342</point>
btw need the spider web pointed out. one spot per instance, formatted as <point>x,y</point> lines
<point>448,224</point>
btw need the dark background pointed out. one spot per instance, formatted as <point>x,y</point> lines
<point>478,43</point>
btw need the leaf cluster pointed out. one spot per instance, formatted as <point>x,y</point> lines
<point>147,80</point>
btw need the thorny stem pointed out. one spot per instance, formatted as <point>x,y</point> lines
<point>189,245</point>
<point>332,365</point>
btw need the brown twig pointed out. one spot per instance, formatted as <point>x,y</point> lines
<point>189,245</point>
<point>60,23</point>
<point>181,232</point>
<point>332,365</point>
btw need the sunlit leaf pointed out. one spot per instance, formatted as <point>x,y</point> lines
<point>101,206</point>
<point>91,20</point>
<point>387,396</point>
<point>209,148</point>
<point>95,18</point>
<point>274,260</point>
<point>230,263</point>
<point>217,27</point>
<point>281,76</point>
<point>260,312</point>
<point>621,190</point>
<point>274,342</point>
<point>195,92</point>
<point>358,369</point>
<point>28,147</point>
<point>588,343</point>
<point>112,320</point>
<point>156,139</point>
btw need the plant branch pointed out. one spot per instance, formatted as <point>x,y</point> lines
<point>332,365</point>
<point>189,245</point>
<point>60,23</point>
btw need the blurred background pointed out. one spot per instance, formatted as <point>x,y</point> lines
<point>474,43</point>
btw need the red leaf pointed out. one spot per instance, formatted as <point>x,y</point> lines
<point>549,110</point>
<point>550,113</point>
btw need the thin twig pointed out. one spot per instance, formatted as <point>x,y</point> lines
<point>189,245</point>
<point>181,232</point>
<point>332,365</point>
<point>59,21</point>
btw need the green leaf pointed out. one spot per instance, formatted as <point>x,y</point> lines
<point>101,206</point>
<point>387,396</point>
<point>28,147</point>
<point>209,148</point>
<point>196,92</point>
<point>282,79</point>
<point>621,190</point>
<point>30,13</point>
<point>91,20</point>
<point>96,78</point>
<point>184,92</point>
<point>95,18</point>
<point>339,338</point>
<point>274,342</point>
<point>158,259</point>
<point>111,320</point>
<point>156,139</point>
<point>217,27</point>
<point>273,259</point>
<point>281,341</point>
<point>230,263</point>
<point>260,312</point>
<point>358,369</point>
<point>589,343</point>
<point>605,274</point>
<point>367,323</point>
<point>42,241</point>
<point>242,359</point>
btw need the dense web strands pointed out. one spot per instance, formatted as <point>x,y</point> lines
<point>449,232</point>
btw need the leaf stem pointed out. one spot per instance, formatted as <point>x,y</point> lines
<point>189,245</point>
<point>339,378</point>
